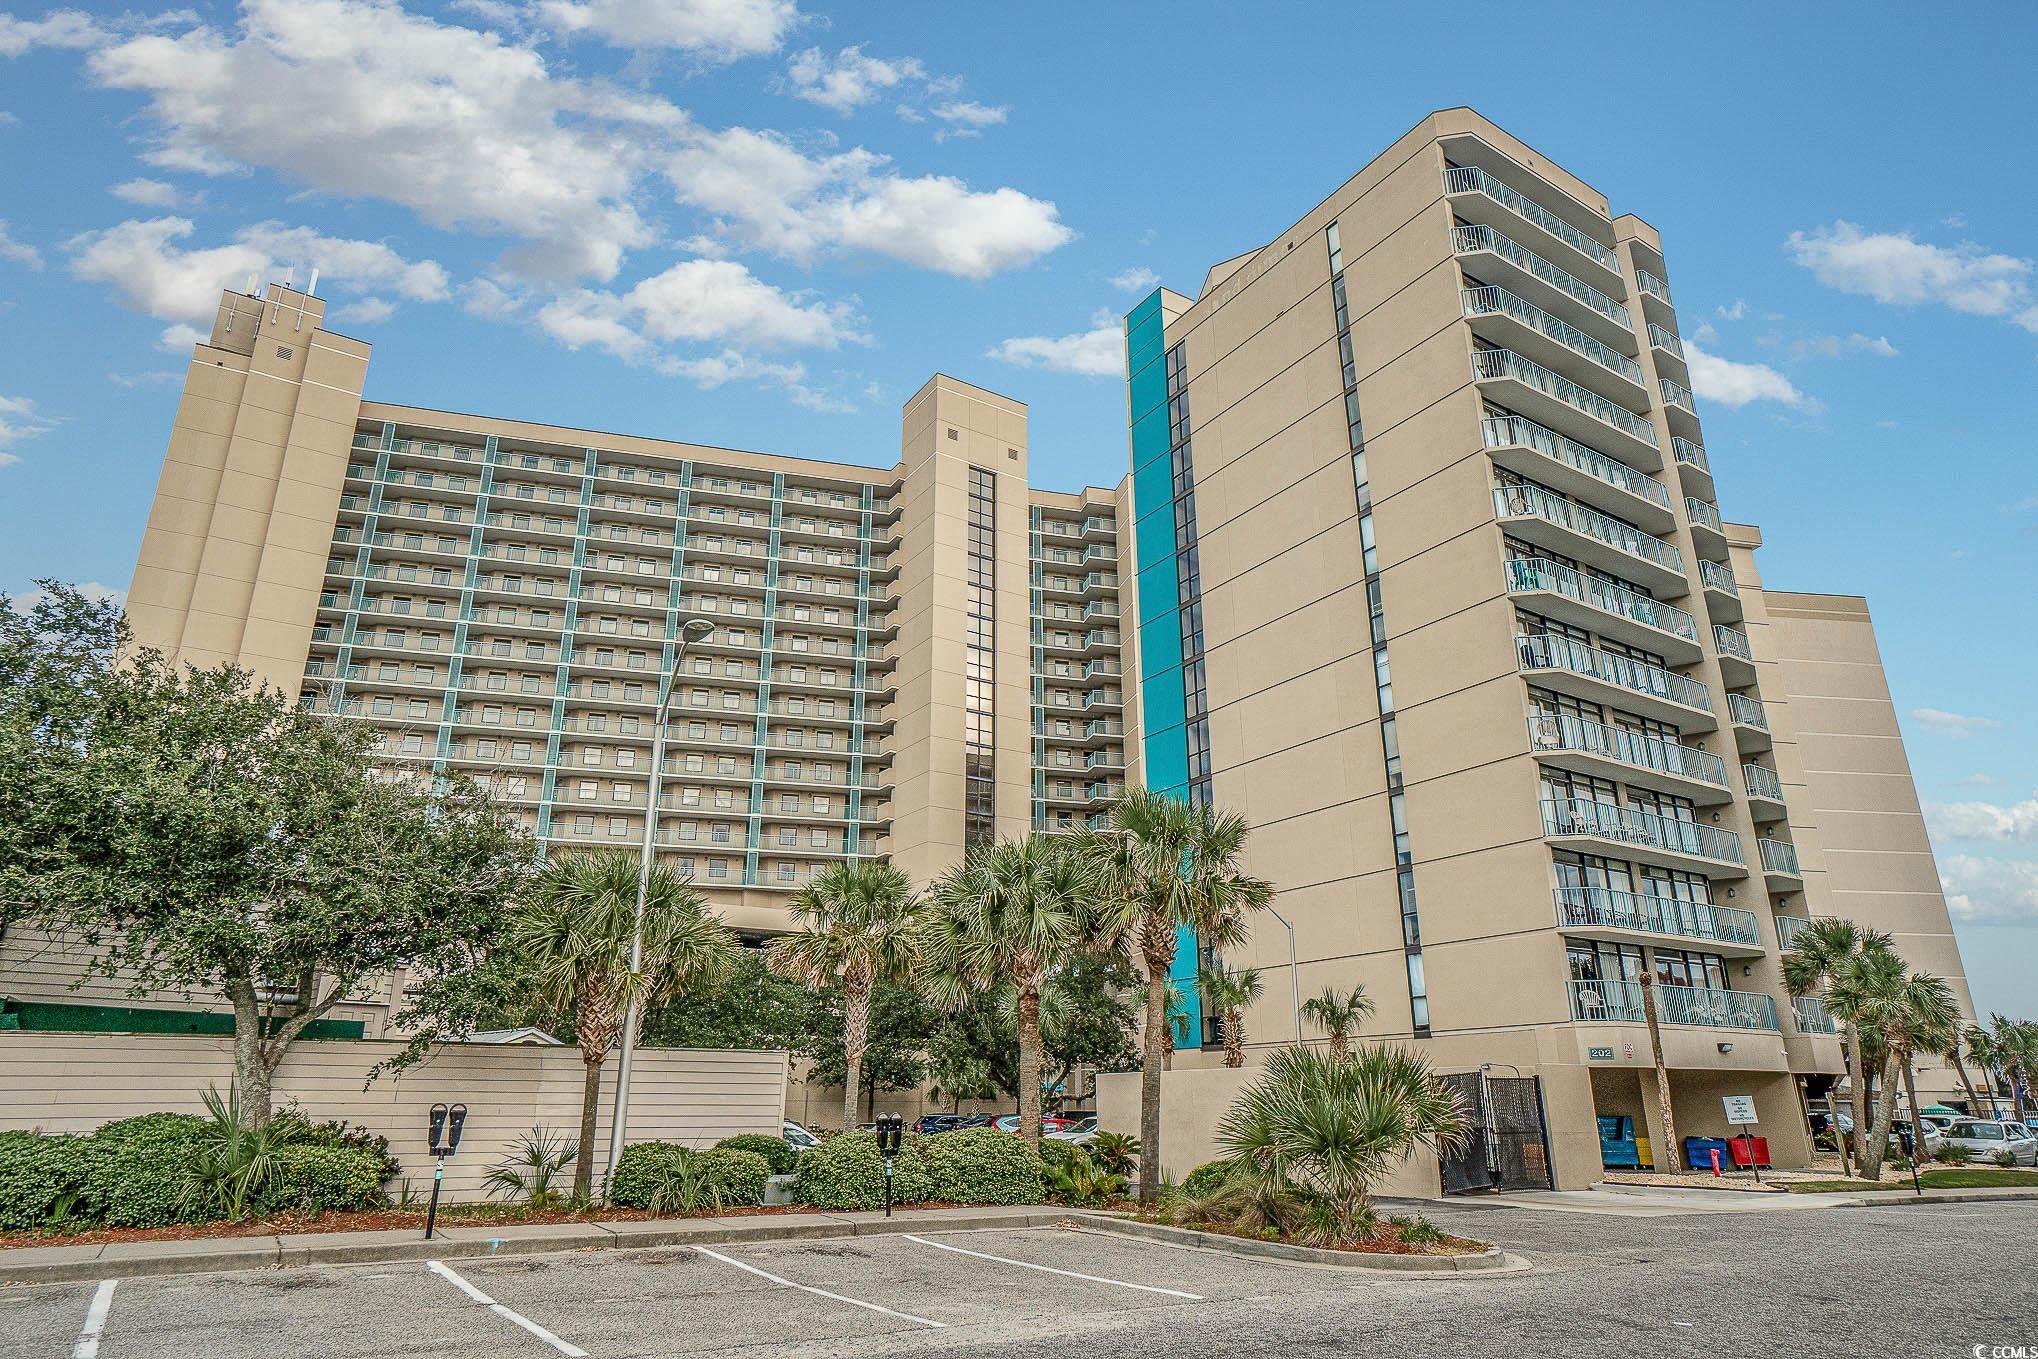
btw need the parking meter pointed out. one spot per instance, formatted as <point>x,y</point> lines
<point>442,1139</point>
<point>891,1135</point>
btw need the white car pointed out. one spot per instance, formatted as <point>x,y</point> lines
<point>1082,1132</point>
<point>1986,1139</point>
<point>798,1138</point>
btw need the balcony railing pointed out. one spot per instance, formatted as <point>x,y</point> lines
<point>1610,821</point>
<point>1665,340</point>
<point>1560,731</point>
<point>1489,364</point>
<point>1538,573</point>
<point>1676,395</point>
<point>1471,239</point>
<point>1809,1012</point>
<point>1697,1005</point>
<point>1467,179</point>
<point>1762,781</point>
<point>1490,301</point>
<point>1718,576</point>
<point>1690,454</point>
<point>1789,927</point>
<point>1506,431</point>
<point>1703,513</point>
<point>1749,712</point>
<point>1543,651</point>
<point>1534,501</point>
<point>1779,856</point>
<point>1652,284</point>
<point>1581,908</point>
<point>1732,642</point>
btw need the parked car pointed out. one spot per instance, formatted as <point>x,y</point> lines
<point>1049,1123</point>
<point>1986,1138</point>
<point>1082,1132</point>
<point>1935,1137</point>
<point>798,1138</point>
<point>929,1124</point>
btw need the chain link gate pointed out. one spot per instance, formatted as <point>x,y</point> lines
<point>1508,1146</point>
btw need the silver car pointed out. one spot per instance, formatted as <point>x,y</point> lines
<point>1987,1139</point>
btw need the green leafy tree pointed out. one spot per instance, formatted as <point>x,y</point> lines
<point>1340,1014</point>
<point>901,1024</point>
<point>1827,955</point>
<point>856,925</point>
<point>1333,1126</point>
<point>1228,995</point>
<point>973,1052</point>
<point>1160,867</point>
<point>192,832</point>
<point>574,928</point>
<point>745,1006</point>
<point>1087,1021</point>
<point>1011,913</point>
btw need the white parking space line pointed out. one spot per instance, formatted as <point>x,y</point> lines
<point>95,1321</point>
<point>820,1292</point>
<point>1065,1273</point>
<point>570,1350</point>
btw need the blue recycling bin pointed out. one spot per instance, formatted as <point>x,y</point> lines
<point>1698,1153</point>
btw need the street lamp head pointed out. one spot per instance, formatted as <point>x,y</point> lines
<point>695,630</point>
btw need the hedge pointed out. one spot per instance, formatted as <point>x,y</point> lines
<point>38,1178</point>
<point>132,1172</point>
<point>312,1178</point>
<point>776,1151</point>
<point>736,1175</point>
<point>983,1165</point>
<point>1206,1179</point>
<point>846,1174</point>
<point>740,1174</point>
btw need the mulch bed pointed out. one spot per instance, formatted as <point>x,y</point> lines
<point>1386,1242</point>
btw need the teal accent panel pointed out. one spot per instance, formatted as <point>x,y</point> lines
<point>1183,974</point>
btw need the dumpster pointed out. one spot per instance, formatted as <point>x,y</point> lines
<point>1618,1149</point>
<point>1749,1151</point>
<point>1698,1152</point>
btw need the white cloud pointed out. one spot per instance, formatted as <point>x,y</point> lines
<point>367,311</point>
<point>156,276</point>
<point>63,28</point>
<point>18,421</point>
<point>1978,780</point>
<point>459,126</point>
<point>19,252</point>
<point>967,118</point>
<point>697,301</point>
<point>770,194</point>
<point>1735,312</point>
<point>1990,891</point>
<point>1897,268</point>
<point>1137,279</point>
<point>153,193</point>
<point>179,338</point>
<point>2014,823</point>
<point>1097,352</point>
<point>1837,346</point>
<point>848,80</point>
<point>1958,725</point>
<point>717,30</point>
<point>1736,384</point>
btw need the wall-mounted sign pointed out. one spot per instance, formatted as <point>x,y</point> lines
<point>1599,1054</point>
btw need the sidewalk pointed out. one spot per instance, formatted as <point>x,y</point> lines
<point>62,1264</point>
<point>1616,1200</point>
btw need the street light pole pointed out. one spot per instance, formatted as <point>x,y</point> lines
<point>1294,975</point>
<point>692,630</point>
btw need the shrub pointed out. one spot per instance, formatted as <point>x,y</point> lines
<point>2007,1160</point>
<point>1206,1179</point>
<point>234,1164</point>
<point>846,1174</point>
<point>776,1151</point>
<point>39,1179</point>
<point>337,1132</point>
<point>1055,1154</point>
<point>540,1157</point>
<point>132,1172</point>
<point>982,1165</point>
<point>1416,1231</point>
<point>1115,1152</point>
<point>1082,1183</point>
<point>309,1177</point>
<point>1953,1155</point>
<point>738,1174</point>
<point>667,1178</point>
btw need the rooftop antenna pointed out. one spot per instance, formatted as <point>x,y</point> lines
<point>304,297</point>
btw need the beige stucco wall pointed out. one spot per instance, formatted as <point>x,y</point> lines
<point>58,1083</point>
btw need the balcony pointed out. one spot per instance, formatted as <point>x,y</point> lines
<point>1655,294</point>
<point>1592,827</point>
<point>1527,449</point>
<point>1722,591</point>
<point>1737,657</point>
<point>1562,405</point>
<point>1621,1002</point>
<point>1514,322</point>
<point>1765,792</point>
<point>1692,466</point>
<point>1613,610</point>
<point>1572,667</point>
<point>1547,284</point>
<point>1779,865</point>
<point>1603,913</point>
<point>1666,341</point>
<point>1809,1013</point>
<point>1750,721</point>
<point>1482,188</point>
<point>1789,928</point>
<point>1589,747</point>
<point>1585,534</point>
<point>1708,531</point>
<point>1679,405</point>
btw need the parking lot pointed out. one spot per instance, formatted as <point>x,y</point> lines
<point>1932,1280</point>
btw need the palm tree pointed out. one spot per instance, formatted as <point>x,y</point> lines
<point>1955,1052</point>
<point>1174,1004</point>
<point>1010,914</point>
<point>1825,952</point>
<point>1906,1012</point>
<point>1988,1055</point>
<point>2015,1045</point>
<point>858,925</point>
<point>1340,1014</point>
<point>1162,867</point>
<point>1227,994</point>
<point>1332,1126</point>
<point>574,927</point>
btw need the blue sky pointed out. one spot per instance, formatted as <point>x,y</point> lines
<point>764,222</point>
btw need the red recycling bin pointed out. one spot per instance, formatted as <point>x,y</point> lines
<point>1749,1150</point>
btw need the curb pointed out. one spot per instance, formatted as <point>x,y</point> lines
<point>72,1264</point>
<point>1491,1260</point>
<point>1893,1197</point>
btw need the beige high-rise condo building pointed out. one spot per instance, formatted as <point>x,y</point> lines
<point>1434,588</point>
<point>1420,567</point>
